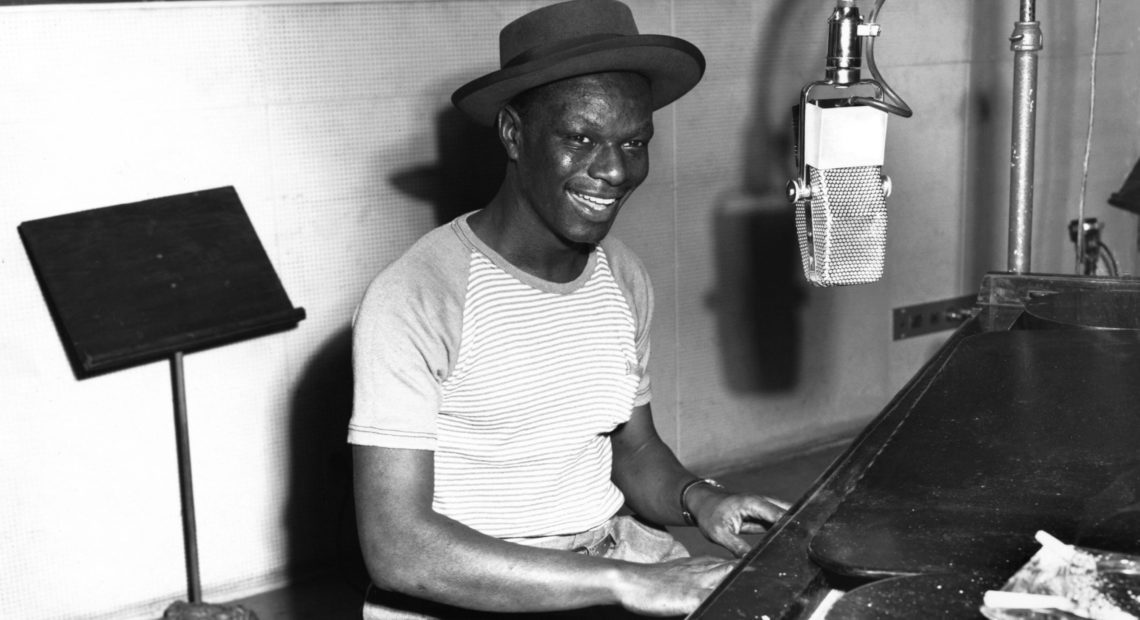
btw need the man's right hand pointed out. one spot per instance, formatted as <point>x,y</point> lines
<point>411,549</point>
<point>672,588</point>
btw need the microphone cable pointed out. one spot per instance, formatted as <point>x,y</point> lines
<point>892,103</point>
<point>1080,259</point>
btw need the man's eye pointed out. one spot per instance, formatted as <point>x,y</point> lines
<point>580,139</point>
<point>637,144</point>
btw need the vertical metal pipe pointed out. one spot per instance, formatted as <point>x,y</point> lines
<point>1025,42</point>
<point>185,480</point>
<point>1027,10</point>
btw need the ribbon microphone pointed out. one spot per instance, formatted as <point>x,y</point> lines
<point>840,192</point>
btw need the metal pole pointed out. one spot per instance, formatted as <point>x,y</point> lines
<point>185,483</point>
<point>1025,42</point>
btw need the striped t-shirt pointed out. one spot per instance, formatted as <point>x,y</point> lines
<point>514,382</point>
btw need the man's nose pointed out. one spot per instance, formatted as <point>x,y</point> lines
<point>609,165</point>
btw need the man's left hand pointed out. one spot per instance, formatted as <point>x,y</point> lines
<point>724,518</point>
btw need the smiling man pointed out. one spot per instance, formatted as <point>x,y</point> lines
<point>504,448</point>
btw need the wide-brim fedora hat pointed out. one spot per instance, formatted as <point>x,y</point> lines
<point>575,38</point>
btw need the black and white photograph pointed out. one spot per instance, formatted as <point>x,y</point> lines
<point>569,309</point>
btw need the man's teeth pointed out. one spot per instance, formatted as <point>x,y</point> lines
<point>600,203</point>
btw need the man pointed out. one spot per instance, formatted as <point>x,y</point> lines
<point>501,417</point>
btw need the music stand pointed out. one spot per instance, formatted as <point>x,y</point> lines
<point>142,281</point>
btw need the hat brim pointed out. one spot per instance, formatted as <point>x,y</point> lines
<point>673,67</point>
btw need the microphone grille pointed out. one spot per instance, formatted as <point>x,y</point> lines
<point>843,227</point>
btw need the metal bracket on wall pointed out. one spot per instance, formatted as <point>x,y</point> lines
<point>934,316</point>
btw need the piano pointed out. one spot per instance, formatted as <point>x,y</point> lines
<point>1026,419</point>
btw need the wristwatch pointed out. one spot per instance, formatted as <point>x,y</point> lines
<point>685,514</point>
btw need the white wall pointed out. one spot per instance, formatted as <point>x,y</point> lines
<point>331,120</point>
<point>743,386</point>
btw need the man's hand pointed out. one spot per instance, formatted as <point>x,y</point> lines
<point>671,588</point>
<point>649,475</point>
<point>723,517</point>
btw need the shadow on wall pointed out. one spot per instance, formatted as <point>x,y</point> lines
<point>320,513</point>
<point>320,516</point>
<point>984,222</point>
<point>468,173</point>
<point>758,295</point>
<point>761,290</point>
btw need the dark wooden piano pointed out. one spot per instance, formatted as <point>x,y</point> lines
<point>1026,419</point>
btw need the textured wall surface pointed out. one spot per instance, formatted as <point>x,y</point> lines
<point>332,121</point>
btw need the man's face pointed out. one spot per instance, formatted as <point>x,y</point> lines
<point>582,150</point>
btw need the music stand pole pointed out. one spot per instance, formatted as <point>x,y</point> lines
<point>185,482</point>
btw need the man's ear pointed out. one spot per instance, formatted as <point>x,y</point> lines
<point>509,125</point>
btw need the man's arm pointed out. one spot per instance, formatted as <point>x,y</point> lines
<point>651,477</point>
<point>409,548</point>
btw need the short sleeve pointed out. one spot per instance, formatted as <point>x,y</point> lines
<point>404,341</point>
<point>633,279</point>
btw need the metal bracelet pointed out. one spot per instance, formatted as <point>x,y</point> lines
<point>685,514</point>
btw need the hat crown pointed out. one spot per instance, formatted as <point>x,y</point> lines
<point>561,23</point>
<point>579,37</point>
